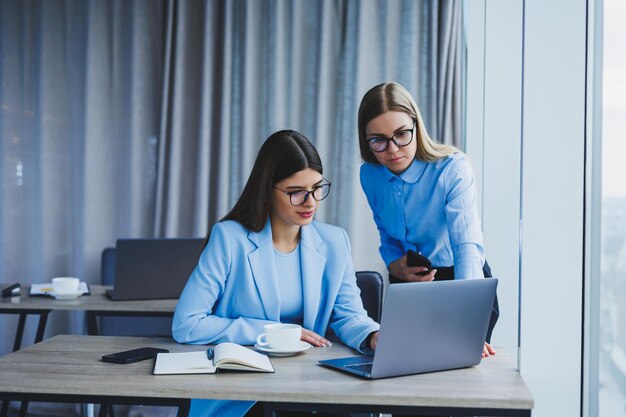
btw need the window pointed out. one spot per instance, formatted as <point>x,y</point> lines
<point>612,296</point>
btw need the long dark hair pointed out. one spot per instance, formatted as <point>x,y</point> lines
<point>283,154</point>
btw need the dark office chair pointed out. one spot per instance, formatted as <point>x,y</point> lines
<point>371,285</point>
<point>128,326</point>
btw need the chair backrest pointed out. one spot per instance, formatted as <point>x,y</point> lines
<point>371,285</point>
<point>107,267</point>
<point>128,326</point>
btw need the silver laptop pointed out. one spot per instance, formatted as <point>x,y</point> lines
<point>426,327</point>
<point>153,268</point>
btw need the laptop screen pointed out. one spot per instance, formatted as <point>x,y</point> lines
<point>426,327</point>
<point>433,325</point>
<point>154,268</point>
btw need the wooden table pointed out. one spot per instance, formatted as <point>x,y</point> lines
<point>95,305</point>
<point>68,369</point>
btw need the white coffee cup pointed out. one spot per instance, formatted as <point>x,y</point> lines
<point>65,285</point>
<point>280,336</point>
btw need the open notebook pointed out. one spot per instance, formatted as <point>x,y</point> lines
<point>223,356</point>
<point>46,289</point>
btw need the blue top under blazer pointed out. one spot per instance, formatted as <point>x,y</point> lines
<point>233,292</point>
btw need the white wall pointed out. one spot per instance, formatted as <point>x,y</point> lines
<point>494,36</point>
<point>551,79</point>
<point>552,210</point>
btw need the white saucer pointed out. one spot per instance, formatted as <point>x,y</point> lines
<point>302,346</point>
<point>68,296</point>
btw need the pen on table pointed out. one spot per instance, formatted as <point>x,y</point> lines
<point>209,353</point>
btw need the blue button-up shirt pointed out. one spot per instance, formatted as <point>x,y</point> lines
<point>429,208</point>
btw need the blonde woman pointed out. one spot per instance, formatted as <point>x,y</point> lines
<point>422,193</point>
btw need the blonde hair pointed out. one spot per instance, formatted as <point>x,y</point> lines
<point>392,96</point>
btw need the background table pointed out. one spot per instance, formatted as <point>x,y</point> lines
<point>95,305</point>
<point>68,369</point>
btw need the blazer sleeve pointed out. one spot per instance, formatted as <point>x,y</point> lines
<point>194,319</point>
<point>349,320</point>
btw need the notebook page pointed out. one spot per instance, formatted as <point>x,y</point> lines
<point>228,355</point>
<point>45,288</point>
<point>183,363</point>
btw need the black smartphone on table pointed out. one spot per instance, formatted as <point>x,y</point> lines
<point>417,259</point>
<point>133,355</point>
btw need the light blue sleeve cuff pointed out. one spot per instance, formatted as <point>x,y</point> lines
<point>468,261</point>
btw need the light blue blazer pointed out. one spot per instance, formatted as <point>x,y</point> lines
<point>233,293</point>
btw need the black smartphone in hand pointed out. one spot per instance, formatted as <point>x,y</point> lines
<point>416,259</point>
<point>134,355</point>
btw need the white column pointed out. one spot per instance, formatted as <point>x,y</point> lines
<point>552,203</point>
<point>526,139</point>
<point>494,38</point>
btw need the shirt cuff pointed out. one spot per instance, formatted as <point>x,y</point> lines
<point>468,262</point>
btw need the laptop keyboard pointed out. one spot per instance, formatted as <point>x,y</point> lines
<point>362,367</point>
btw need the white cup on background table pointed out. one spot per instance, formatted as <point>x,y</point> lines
<point>65,285</point>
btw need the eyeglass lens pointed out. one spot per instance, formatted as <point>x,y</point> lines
<point>319,193</point>
<point>401,138</point>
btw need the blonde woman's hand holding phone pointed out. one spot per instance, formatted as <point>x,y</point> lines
<point>401,270</point>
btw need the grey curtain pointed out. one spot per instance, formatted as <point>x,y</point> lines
<point>143,118</point>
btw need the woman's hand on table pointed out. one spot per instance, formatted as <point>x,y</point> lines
<point>314,339</point>
<point>488,350</point>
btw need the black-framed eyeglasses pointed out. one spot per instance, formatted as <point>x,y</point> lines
<point>298,198</point>
<point>401,138</point>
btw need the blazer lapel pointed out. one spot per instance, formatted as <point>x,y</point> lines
<point>264,271</point>
<point>313,264</point>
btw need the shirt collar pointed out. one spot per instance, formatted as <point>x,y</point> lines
<point>410,175</point>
